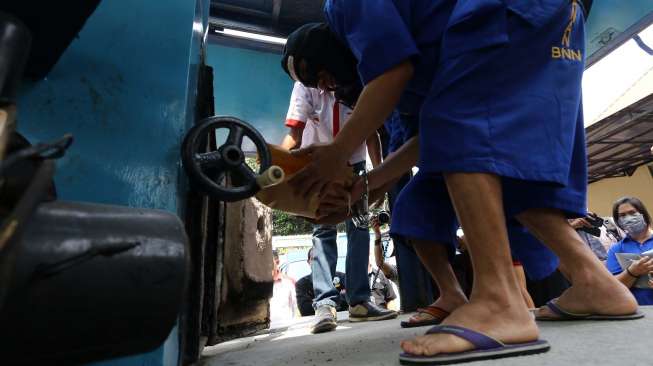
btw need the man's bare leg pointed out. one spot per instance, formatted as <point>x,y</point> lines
<point>594,290</point>
<point>434,257</point>
<point>521,279</point>
<point>496,306</point>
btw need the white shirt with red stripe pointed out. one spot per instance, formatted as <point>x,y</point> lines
<point>321,116</point>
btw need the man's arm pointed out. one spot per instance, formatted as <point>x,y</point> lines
<point>334,207</point>
<point>389,290</point>
<point>386,268</point>
<point>377,100</point>
<point>374,149</point>
<point>378,251</point>
<point>298,111</point>
<point>374,105</point>
<point>293,139</point>
<point>395,165</point>
<point>380,179</point>
<point>378,254</point>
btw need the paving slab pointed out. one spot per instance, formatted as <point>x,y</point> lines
<point>579,343</point>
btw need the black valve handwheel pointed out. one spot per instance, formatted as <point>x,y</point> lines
<point>207,169</point>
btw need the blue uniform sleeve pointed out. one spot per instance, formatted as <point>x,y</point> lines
<point>612,263</point>
<point>375,31</point>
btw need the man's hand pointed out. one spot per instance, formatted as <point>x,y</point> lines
<point>376,227</point>
<point>642,266</point>
<point>336,199</point>
<point>294,138</point>
<point>377,100</point>
<point>579,223</point>
<point>326,160</point>
<point>374,149</point>
<point>358,188</point>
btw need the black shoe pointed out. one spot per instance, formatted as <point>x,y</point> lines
<point>367,311</point>
<point>325,319</point>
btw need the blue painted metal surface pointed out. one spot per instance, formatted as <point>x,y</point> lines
<point>166,355</point>
<point>611,17</point>
<point>252,86</point>
<point>126,89</point>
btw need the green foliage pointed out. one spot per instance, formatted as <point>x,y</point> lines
<point>253,163</point>
<point>286,224</point>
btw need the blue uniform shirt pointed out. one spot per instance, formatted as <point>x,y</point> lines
<point>382,34</point>
<point>400,129</point>
<point>628,245</point>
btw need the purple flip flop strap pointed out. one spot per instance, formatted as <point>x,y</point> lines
<point>479,340</point>
<point>553,306</point>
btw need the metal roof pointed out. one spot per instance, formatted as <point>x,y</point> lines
<point>619,144</point>
<point>271,17</point>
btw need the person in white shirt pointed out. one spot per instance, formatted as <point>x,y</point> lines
<point>283,304</point>
<point>314,116</point>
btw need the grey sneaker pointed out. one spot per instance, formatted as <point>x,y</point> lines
<point>325,319</point>
<point>366,311</point>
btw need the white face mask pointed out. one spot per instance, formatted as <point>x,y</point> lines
<point>633,224</point>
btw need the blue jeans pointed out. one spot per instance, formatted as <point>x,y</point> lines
<point>325,257</point>
<point>415,283</point>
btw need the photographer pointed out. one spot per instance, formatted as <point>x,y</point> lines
<point>388,269</point>
<point>305,293</point>
<point>382,292</point>
<point>589,229</point>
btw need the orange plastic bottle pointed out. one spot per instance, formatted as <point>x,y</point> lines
<point>289,163</point>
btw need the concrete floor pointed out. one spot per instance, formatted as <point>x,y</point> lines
<point>622,343</point>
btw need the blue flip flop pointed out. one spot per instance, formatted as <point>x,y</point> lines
<point>486,348</point>
<point>563,315</point>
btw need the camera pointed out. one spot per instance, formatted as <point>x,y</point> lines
<point>383,217</point>
<point>363,220</point>
<point>596,222</point>
<point>336,283</point>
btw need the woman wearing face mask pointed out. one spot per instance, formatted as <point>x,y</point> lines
<point>631,216</point>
